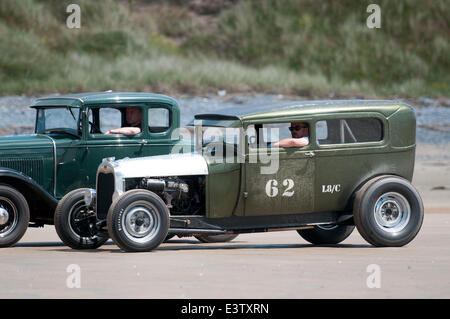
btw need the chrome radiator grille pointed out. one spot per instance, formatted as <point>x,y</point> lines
<point>105,191</point>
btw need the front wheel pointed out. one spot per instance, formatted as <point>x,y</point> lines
<point>388,211</point>
<point>75,223</point>
<point>14,216</point>
<point>326,234</point>
<point>138,221</point>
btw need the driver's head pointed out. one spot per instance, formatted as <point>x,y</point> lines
<point>134,116</point>
<point>299,129</point>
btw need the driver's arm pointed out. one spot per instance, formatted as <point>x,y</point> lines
<point>292,142</point>
<point>125,131</point>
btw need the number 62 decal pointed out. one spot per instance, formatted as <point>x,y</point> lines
<point>272,187</point>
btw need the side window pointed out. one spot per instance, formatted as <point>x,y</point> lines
<point>109,119</point>
<point>321,130</point>
<point>158,120</point>
<point>347,131</point>
<point>274,132</point>
<point>264,134</point>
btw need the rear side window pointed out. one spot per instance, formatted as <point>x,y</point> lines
<point>158,120</point>
<point>347,131</point>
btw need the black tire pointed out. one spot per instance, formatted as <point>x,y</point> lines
<point>326,235</point>
<point>138,221</point>
<point>14,216</point>
<point>77,234</point>
<point>169,237</point>
<point>204,238</point>
<point>388,211</point>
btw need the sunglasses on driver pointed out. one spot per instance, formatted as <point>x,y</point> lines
<point>297,127</point>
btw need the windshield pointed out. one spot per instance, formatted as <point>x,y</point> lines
<point>211,134</point>
<point>57,119</point>
<point>217,140</point>
<point>220,131</point>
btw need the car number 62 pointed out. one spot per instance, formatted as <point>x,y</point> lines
<point>272,187</point>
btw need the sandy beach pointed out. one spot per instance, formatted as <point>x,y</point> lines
<point>432,176</point>
<point>265,265</point>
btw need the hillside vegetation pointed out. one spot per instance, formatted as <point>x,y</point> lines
<point>302,47</point>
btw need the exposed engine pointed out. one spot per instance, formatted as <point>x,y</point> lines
<point>164,185</point>
<point>183,196</point>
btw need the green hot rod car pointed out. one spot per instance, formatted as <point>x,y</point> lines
<point>355,169</point>
<point>69,143</point>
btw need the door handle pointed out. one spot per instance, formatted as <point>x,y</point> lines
<point>310,154</point>
<point>142,143</point>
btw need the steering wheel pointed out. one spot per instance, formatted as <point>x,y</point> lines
<point>94,128</point>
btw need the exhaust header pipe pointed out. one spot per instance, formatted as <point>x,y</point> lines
<point>161,185</point>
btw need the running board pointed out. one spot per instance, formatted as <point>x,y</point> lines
<point>250,224</point>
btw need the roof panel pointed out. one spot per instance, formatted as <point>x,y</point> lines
<point>302,107</point>
<point>103,97</point>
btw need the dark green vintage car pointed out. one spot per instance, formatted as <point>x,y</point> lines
<point>356,169</point>
<point>69,143</point>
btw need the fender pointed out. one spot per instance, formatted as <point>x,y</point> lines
<point>352,197</point>
<point>14,178</point>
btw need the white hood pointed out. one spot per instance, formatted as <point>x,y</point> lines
<point>161,165</point>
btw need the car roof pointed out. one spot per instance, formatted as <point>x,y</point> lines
<point>300,108</point>
<point>107,97</point>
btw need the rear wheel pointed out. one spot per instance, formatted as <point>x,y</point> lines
<point>326,234</point>
<point>216,238</point>
<point>75,223</point>
<point>388,211</point>
<point>14,216</point>
<point>138,221</point>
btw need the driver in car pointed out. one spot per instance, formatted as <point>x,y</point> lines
<point>134,122</point>
<point>300,136</point>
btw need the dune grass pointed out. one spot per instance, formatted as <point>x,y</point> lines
<point>311,48</point>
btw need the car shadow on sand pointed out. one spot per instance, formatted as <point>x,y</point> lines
<point>190,245</point>
<point>243,245</point>
<point>39,244</point>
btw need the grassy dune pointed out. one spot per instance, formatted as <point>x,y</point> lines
<point>302,47</point>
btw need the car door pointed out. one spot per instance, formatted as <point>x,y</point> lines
<point>279,180</point>
<point>98,145</point>
<point>351,149</point>
<point>157,136</point>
